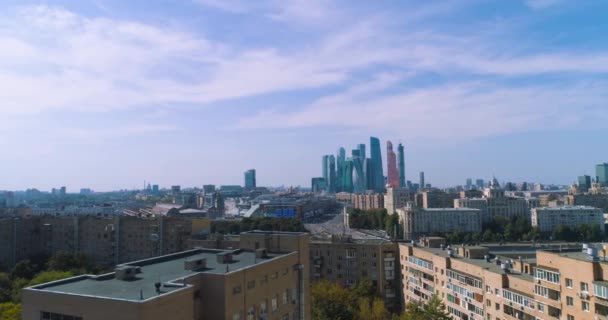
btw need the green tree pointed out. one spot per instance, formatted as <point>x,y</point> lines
<point>64,261</point>
<point>372,309</point>
<point>10,311</point>
<point>49,276</point>
<point>435,310</point>
<point>5,288</point>
<point>331,302</point>
<point>413,311</point>
<point>23,269</point>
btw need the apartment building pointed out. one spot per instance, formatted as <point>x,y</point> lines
<point>346,261</point>
<point>105,241</point>
<point>478,283</point>
<point>368,201</point>
<point>496,203</point>
<point>548,218</point>
<point>418,222</point>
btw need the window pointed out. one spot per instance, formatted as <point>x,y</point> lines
<point>584,287</point>
<point>546,275</point>
<point>600,290</point>
<point>236,316</point>
<point>570,317</point>
<point>497,306</point>
<point>236,290</point>
<point>585,306</point>
<point>569,301</point>
<point>285,294</point>
<point>251,284</point>
<point>251,313</point>
<point>569,283</point>
<point>541,307</point>
<point>274,303</point>
<point>263,307</point>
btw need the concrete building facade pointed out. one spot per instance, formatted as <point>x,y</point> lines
<point>395,198</point>
<point>547,219</point>
<point>368,201</point>
<point>418,222</point>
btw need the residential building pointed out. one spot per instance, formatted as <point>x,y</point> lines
<point>258,281</point>
<point>368,201</point>
<point>435,199</point>
<point>391,164</point>
<point>401,165</point>
<point>547,219</point>
<point>250,179</point>
<point>599,200</point>
<point>346,261</point>
<point>418,222</point>
<point>508,283</point>
<point>395,198</point>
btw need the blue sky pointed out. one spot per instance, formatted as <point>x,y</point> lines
<point>109,93</point>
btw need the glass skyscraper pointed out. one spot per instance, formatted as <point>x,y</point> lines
<point>340,170</point>
<point>347,178</point>
<point>391,166</point>
<point>359,181</point>
<point>401,165</point>
<point>601,173</point>
<point>250,182</point>
<point>376,158</point>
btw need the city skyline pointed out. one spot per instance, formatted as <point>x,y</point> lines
<point>513,89</point>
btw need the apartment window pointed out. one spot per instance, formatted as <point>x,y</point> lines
<point>236,316</point>
<point>251,313</point>
<point>251,284</point>
<point>497,306</point>
<point>584,287</point>
<point>274,303</point>
<point>541,307</point>
<point>569,283</point>
<point>236,290</point>
<point>488,290</point>
<point>496,291</point>
<point>570,317</point>
<point>585,306</point>
<point>263,307</point>
<point>285,294</point>
<point>488,302</point>
<point>569,301</point>
<point>293,295</point>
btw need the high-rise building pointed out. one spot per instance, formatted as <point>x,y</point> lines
<point>331,174</point>
<point>340,170</point>
<point>362,151</point>
<point>359,181</point>
<point>209,188</point>
<point>325,166</point>
<point>469,183</point>
<point>369,171</point>
<point>422,184</point>
<point>62,191</point>
<point>347,177</point>
<point>391,164</point>
<point>401,165</point>
<point>378,173</point>
<point>601,173</point>
<point>155,189</point>
<point>318,185</point>
<point>395,198</point>
<point>250,181</point>
<point>584,183</point>
<point>480,183</point>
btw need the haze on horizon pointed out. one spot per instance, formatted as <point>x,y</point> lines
<point>106,94</point>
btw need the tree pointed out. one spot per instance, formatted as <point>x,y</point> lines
<point>330,301</point>
<point>413,311</point>
<point>5,288</point>
<point>64,261</point>
<point>10,311</point>
<point>49,276</point>
<point>435,310</point>
<point>23,269</point>
<point>372,309</point>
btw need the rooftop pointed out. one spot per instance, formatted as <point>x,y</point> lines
<point>567,208</point>
<point>166,269</point>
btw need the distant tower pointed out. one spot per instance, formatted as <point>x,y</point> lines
<point>377,172</point>
<point>391,166</point>
<point>601,174</point>
<point>359,179</point>
<point>331,174</point>
<point>401,165</point>
<point>422,184</point>
<point>250,179</point>
<point>340,170</point>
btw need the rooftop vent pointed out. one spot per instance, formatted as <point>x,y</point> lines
<point>224,257</point>
<point>487,258</point>
<point>195,264</point>
<point>592,253</point>
<point>261,253</point>
<point>504,267</point>
<point>450,252</point>
<point>126,272</point>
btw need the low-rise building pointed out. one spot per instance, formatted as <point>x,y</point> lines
<point>547,219</point>
<point>418,222</point>
<point>196,284</point>
<point>368,201</point>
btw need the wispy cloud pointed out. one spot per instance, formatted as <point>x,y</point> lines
<point>542,4</point>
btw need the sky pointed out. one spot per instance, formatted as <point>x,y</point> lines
<point>107,94</point>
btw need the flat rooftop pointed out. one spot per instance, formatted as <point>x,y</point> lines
<point>163,269</point>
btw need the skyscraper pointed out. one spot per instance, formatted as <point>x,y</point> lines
<point>601,173</point>
<point>376,158</point>
<point>401,165</point>
<point>362,152</point>
<point>324,166</point>
<point>359,181</point>
<point>250,182</point>
<point>469,184</point>
<point>422,183</point>
<point>331,174</point>
<point>480,183</point>
<point>347,178</point>
<point>584,183</point>
<point>340,170</point>
<point>391,166</point>
<point>368,172</point>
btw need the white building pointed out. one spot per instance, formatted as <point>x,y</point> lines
<point>418,222</point>
<point>395,198</point>
<point>547,219</point>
